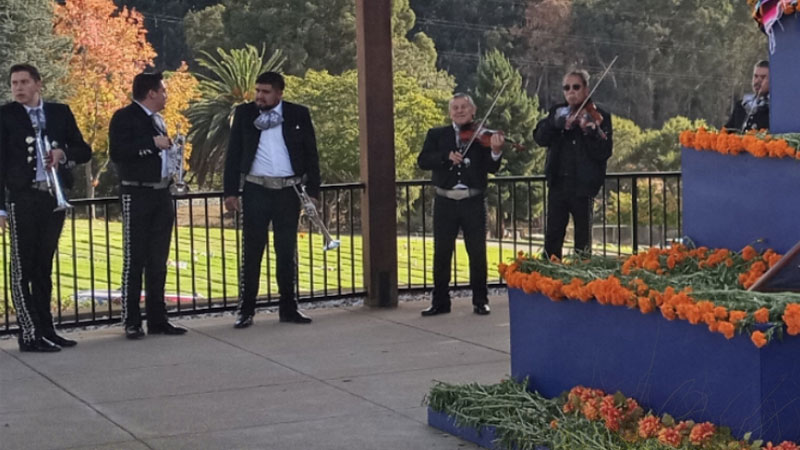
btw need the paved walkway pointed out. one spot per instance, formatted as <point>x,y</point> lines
<point>354,379</point>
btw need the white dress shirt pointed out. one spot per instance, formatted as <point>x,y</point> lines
<point>164,157</point>
<point>272,155</point>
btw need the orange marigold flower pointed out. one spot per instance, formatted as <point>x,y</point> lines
<point>758,338</point>
<point>649,426</point>
<point>762,315</point>
<point>749,253</point>
<point>721,312</point>
<point>735,316</point>
<point>590,411</point>
<point>670,436</point>
<point>554,424</point>
<point>702,432</point>
<point>726,328</point>
<point>645,305</point>
<point>791,317</point>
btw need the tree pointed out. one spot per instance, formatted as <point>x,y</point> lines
<point>182,88</point>
<point>515,112</point>
<point>317,35</point>
<point>231,82</point>
<point>108,50</point>
<point>312,35</point>
<point>333,100</point>
<point>165,29</point>
<point>464,30</point>
<point>26,36</point>
<point>687,59</point>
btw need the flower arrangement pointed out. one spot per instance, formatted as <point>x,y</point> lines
<point>702,286</point>
<point>757,143</point>
<point>582,418</point>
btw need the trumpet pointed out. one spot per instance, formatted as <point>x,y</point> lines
<point>313,216</point>
<point>43,148</point>
<point>178,143</point>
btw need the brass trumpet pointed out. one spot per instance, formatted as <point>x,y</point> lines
<point>178,143</point>
<point>313,216</point>
<point>43,148</point>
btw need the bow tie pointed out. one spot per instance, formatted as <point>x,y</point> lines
<point>267,120</point>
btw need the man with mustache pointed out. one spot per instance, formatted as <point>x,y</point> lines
<point>752,111</point>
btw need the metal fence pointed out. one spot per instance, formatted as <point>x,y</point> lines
<point>633,210</point>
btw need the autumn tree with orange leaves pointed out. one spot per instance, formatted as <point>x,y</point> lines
<point>109,48</point>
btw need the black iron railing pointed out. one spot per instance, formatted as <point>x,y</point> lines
<point>634,210</point>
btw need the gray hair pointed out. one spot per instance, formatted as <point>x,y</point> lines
<point>580,73</point>
<point>458,95</point>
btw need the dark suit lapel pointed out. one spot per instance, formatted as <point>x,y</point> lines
<point>21,117</point>
<point>288,121</point>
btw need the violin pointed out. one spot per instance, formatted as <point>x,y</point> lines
<point>482,135</point>
<point>587,115</point>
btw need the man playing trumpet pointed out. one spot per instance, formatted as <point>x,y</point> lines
<point>272,148</point>
<point>29,124</point>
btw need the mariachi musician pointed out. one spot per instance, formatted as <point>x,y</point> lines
<point>578,138</point>
<point>39,143</point>
<point>752,112</point>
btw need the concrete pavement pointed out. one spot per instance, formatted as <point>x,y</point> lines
<point>354,379</point>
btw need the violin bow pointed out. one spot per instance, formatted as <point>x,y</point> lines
<point>485,117</point>
<point>596,85</point>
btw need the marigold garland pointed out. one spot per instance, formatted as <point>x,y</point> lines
<point>760,144</point>
<point>628,287</point>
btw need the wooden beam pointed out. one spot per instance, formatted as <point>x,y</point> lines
<point>376,141</point>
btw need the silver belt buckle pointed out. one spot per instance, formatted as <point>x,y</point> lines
<point>272,182</point>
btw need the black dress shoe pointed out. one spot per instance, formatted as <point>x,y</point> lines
<point>166,328</point>
<point>295,317</point>
<point>435,310</point>
<point>243,321</point>
<point>134,332</point>
<point>40,345</point>
<point>60,341</point>
<point>482,310</point>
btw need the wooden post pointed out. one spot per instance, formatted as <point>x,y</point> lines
<point>376,140</point>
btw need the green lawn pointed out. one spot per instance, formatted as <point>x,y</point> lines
<point>205,261</point>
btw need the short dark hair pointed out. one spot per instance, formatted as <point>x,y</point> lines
<point>273,79</point>
<point>33,71</point>
<point>763,63</point>
<point>146,82</point>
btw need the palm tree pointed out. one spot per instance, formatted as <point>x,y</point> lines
<point>231,83</point>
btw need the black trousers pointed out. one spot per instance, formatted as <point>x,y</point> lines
<point>561,202</point>
<point>35,229</point>
<point>468,215</point>
<point>147,218</point>
<point>260,206</point>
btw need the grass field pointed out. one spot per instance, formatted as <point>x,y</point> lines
<point>204,261</point>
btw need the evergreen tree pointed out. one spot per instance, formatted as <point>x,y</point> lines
<point>26,36</point>
<point>515,112</point>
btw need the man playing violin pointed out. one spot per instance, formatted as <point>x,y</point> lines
<point>752,111</point>
<point>578,137</point>
<point>460,164</point>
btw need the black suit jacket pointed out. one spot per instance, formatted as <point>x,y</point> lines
<point>298,134</point>
<point>590,151</point>
<point>758,121</point>
<point>18,156</point>
<point>131,146</point>
<point>435,156</point>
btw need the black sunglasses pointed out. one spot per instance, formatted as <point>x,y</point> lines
<point>575,87</point>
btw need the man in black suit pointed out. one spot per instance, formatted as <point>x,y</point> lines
<point>273,148</point>
<point>139,147</point>
<point>35,226</point>
<point>460,178</point>
<point>577,150</point>
<point>752,111</point>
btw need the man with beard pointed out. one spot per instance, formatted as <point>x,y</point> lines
<point>752,111</point>
<point>273,149</point>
